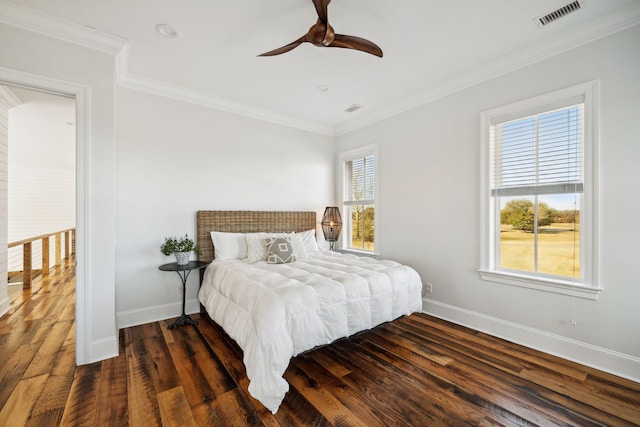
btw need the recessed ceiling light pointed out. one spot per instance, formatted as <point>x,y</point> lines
<point>166,30</point>
<point>322,88</point>
<point>353,108</point>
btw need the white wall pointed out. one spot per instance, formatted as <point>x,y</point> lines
<point>89,74</point>
<point>429,208</point>
<point>174,159</point>
<point>41,172</point>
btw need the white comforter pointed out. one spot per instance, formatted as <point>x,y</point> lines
<point>276,311</point>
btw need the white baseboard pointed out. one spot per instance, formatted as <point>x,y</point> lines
<point>126,319</point>
<point>4,306</point>
<point>103,349</point>
<point>616,363</point>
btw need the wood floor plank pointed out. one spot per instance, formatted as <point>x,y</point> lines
<point>52,418</point>
<point>142,399</point>
<point>192,351</point>
<point>352,399</point>
<point>58,384</point>
<point>478,383</point>
<point>17,409</point>
<point>112,398</point>
<point>174,408</point>
<point>326,403</point>
<point>236,410</point>
<point>525,355</point>
<point>41,363</point>
<point>377,388</point>
<point>13,369</point>
<point>80,409</point>
<point>522,398</point>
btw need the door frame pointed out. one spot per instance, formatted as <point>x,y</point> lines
<point>82,95</point>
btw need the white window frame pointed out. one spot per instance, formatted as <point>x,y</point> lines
<point>589,286</point>
<point>357,153</point>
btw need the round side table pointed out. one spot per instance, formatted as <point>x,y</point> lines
<point>183,271</point>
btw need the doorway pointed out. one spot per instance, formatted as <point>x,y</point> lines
<point>41,182</point>
<point>81,94</point>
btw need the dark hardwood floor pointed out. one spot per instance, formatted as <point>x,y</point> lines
<point>416,371</point>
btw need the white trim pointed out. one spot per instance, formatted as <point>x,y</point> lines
<point>83,176</point>
<point>589,286</point>
<point>8,99</point>
<point>103,349</point>
<point>353,154</point>
<point>573,38</point>
<point>5,305</point>
<point>141,316</point>
<point>50,26</point>
<point>548,285</point>
<point>179,93</point>
<point>623,365</point>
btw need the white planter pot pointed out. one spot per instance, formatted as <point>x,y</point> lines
<point>182,258</point>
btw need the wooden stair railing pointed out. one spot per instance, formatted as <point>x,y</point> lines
<point>69,249</point>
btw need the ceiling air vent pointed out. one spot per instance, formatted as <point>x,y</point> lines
<point>353,108</point>
<point>559,13</point>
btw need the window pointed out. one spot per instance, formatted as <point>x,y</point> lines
<point>359,189</point>
<point>538,193</point>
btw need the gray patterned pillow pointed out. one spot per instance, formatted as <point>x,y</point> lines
<point>279,250</point>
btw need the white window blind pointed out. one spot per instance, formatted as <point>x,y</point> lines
<point>359,182</point>
<point>540,154</point>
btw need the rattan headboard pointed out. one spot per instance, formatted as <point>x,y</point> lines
<point>248,222</point>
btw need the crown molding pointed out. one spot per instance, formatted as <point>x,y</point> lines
<point>41,23</point>
<point>618,21</point>
<point>47,25</point>
<point>8,99</point>
<point>126,79</point>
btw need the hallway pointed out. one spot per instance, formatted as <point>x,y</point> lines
<point>37,349</point>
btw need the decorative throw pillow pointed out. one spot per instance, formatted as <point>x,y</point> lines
<point>279,250</point>
<point>256,249</point>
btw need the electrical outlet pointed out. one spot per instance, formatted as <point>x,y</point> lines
<point>573,323</point>
<point>428,287</point>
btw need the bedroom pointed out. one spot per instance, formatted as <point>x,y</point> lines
<point>151,154</point>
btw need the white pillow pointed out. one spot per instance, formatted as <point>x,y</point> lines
<point>229,245</point>
<point>298,246</point>
<point>309,241</point>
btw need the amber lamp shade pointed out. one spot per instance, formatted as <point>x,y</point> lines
<point>331,225</point>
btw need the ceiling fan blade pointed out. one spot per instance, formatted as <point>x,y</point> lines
<point>357,43</point>
<point>321,9</point>
<point>285,48</point>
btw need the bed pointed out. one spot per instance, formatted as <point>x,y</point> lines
<point>278,306</point>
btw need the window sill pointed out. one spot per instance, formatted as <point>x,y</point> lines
<point>546,285</point>
<point>359,253</point>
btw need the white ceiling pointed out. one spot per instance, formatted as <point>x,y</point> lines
<point>430,48</point>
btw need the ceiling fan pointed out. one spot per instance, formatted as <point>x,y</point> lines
<point>321,34</point>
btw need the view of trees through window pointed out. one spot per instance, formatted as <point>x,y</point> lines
<point>362,226</point>
<point>536,237</point>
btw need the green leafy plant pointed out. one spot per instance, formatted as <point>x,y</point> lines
<point>179,244</point>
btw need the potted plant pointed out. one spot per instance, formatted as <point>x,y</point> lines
<point>181,247</point>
